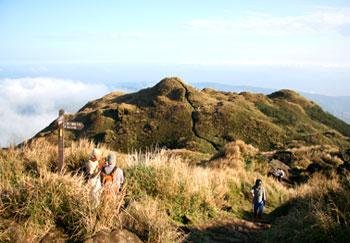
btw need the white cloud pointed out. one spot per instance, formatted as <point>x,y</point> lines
<point>319,20</point>
<point>96,36</point>
<point>39,69</point>
<point>267,62</point>
<point>30,104</point>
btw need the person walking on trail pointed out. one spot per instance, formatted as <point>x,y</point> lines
<point>259,198</point>
<point>111,174</point>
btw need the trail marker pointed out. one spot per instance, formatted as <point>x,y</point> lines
<point>73,125</point>
<point>61,124</point>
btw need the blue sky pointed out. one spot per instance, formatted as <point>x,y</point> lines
<point>302,45</point>
<point>84,49</point>
<point>296,33</point>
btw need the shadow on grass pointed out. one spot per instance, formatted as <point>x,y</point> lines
<point>217,233</point>
<point>245,229</point>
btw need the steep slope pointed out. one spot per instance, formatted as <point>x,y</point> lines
<point>176,115</point>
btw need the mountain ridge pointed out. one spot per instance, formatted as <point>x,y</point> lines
<point>336,105</point>
<point>175,115</point>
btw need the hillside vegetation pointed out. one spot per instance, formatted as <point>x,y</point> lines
<point>190,159</point>
<point>168,197</point>
<point>175,115</point>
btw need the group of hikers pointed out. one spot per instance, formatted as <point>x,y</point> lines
<point>107,172</point>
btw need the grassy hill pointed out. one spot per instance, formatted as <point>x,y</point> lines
<point>336,105</point>
<point>174,115</point>
<point>196,188</point>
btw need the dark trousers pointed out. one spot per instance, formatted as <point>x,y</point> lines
<point>258,209</point>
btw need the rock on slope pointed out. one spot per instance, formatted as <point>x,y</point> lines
<point>176,115</point>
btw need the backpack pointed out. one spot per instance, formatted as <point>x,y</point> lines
<point>106,178</point>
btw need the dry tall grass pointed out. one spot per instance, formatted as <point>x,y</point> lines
<point>164,191</point>
<point>194,192</point>
<point>35,200</point>
<point>318,212</point>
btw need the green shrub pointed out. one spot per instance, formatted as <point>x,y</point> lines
<point>282,116</point>
<point>316,113</point>
<point>142,180</point>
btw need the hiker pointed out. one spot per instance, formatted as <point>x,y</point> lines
<point>111,174</point>
<point>93,169</point>
<point>94,162</point>
<point>279,173</point>
<point>259,198</point>
<point>95,155</point>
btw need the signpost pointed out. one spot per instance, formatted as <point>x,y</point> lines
<point>73,125</point>
<point>61,124</point>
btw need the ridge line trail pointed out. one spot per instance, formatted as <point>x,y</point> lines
<point>193,108</point>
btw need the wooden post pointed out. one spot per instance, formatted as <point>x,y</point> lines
<point>60,123</point>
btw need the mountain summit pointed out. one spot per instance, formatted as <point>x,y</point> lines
<point>176,115</point>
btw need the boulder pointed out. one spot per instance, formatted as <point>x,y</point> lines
<point>54,236</point>
<point>318,167</point>
<point>124,236</point>
<point>118,235</point>
<point>275,164</point>
<point>314,167</point>
<point>285,156</point>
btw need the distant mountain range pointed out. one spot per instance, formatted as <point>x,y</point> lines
<point>338,106</point>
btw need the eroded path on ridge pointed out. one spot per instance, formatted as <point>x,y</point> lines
<point>194,119</point>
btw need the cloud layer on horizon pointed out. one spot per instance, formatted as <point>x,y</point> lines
<point>30,104</point>
<point>320,19</point>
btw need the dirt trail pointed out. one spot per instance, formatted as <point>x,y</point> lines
<point>228,230</point>
<point>193,117</point>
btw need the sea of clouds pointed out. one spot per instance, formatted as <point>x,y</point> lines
<point>28,105</point>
